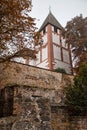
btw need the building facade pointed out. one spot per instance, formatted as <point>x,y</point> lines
<point>53,53</point>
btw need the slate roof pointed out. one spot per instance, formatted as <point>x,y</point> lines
<point>50,19</point>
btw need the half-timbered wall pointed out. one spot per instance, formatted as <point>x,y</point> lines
<point>60,52</point>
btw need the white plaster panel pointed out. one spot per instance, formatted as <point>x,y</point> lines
<point>53,28</point>
<point>56,38</point>
<point>32,62</point>
<point>63,65</point>
<point>58,31</point>
<point>46,28</point>
<point>43,64</point>
<point>66,56</point>
<point>44,38</point>
<point>20,60</point>
<point>57,52</point>
<point>44,53</point>
<point>63,42</point>
<point>38,58</point>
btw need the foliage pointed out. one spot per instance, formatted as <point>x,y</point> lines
<point>61,70</point>
<point>18,35</point>
<point>76,95</point>
<point>76,36</point>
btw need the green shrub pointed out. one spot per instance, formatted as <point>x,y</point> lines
<point>60,70</point>
<point>76,94</point>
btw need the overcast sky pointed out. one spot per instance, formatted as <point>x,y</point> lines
<point>63,10</point>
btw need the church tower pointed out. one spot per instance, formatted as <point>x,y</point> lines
<point>53,53</point>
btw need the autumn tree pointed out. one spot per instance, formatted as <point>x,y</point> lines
<point>76,36</point>
<point>18,35</point>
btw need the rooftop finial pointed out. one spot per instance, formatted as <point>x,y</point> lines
<point>49,9</point>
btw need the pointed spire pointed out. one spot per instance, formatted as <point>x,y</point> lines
<point>49,9</point>
<point>50,19</point>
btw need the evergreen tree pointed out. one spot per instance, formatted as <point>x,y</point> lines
<point>76,95</point>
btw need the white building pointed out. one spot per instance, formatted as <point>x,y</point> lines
<point>53,53</point>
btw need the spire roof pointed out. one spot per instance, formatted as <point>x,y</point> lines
<point>50,19</point>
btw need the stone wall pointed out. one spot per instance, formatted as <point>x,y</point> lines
<point>31,111</point>
<point>60,120</point>
<point>15,73</point>
<point>39,82</point>
<point>37,99</point>
<point>35,90</point>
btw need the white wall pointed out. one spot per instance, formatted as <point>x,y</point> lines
<point>44,53</point>
<point>38,58</point>
<point>56,38</point>
<point>44,38</point>
<point>57,52</point>
<point>44,64</point>
<point>63,43</point>
<point>60,64</point>
<point>66,56</point>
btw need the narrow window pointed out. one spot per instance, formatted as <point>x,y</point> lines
<point>55,29</point>
<point>44,30</point>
